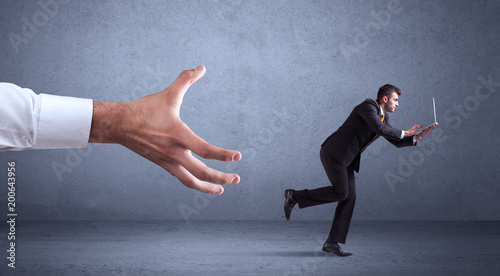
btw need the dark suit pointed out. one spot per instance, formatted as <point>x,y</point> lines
<point>341,154</point>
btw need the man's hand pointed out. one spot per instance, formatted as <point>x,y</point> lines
<point>151,127</point>
<point>422,134</point>
<point>426,131</point>
<point>412,130</point>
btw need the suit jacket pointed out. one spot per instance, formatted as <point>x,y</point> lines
<point>360,129</point>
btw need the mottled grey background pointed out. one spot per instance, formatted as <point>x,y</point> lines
<point>281,76</point>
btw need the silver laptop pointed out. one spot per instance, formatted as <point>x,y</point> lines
<point>418,131</point>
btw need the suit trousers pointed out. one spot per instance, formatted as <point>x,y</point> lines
<point>342,190</point>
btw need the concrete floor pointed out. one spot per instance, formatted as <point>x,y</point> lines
<point>252,248</point>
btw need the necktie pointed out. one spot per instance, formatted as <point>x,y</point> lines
<point>382,119</point>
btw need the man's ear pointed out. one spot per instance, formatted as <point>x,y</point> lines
<point>385,99</point>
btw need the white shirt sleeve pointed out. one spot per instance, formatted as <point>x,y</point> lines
<point>31,121</point>
<point>414,137</point>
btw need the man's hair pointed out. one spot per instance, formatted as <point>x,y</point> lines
<point>387,90</point>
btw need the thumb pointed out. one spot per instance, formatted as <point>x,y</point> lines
<point>185,80</point>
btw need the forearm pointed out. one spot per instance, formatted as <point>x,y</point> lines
<point>405,142</point>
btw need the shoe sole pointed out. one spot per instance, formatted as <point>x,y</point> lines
<point>331,252</point>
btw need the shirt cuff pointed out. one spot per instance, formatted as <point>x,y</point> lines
<point>402,134</point>
<point>64,122</point>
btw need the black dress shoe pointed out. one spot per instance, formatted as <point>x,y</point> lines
<point>333,247</point>
<point>289,203</point>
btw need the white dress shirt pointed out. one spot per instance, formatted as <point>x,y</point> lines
<point>31,121</point>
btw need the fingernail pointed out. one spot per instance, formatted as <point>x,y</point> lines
<point>235,180</point>
<point>236,157</point>
<point>198,68</point>
<point>220,190</point>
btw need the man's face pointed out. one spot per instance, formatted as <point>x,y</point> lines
<point>392,103</point>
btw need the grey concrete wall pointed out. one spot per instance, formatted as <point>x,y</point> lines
<point>281,76</point>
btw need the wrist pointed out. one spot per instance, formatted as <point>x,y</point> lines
<point>108,122</point>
